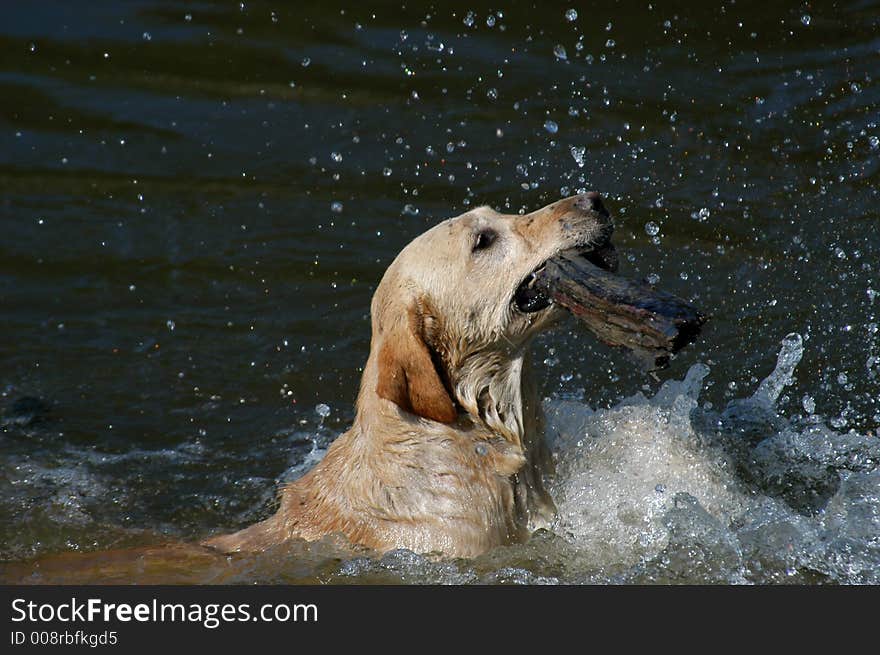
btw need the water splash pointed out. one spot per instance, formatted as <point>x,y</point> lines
<point>663,490</point>
<point>789,357</point>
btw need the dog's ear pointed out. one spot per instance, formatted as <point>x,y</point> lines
<point>407,374</point>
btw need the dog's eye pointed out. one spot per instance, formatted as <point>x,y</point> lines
<point>484,239</point>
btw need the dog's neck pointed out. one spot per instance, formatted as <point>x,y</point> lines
<point>494,389</point>
<point>490,387</point>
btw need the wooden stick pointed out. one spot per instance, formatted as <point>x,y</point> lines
<point>619,311</point>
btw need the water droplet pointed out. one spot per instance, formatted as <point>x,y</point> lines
<point>652,278</point>
<point>336,207</point>
<point>551,127</point>
<point>571,15</point>
<point>410,210</point>
<point>469,19</point>
<point>492,94</point>
<point>559,51</point>
<point>170,325</point>
<point>806,18</point>
<point>578,152</point>
<point>652,229</point>
<point>874,142</point>
<point>335,156</point>
<point>490,20</point>
<point>306,61</point>
<point>386,171</point>
<point>808,403</point>
<point>322,410</point>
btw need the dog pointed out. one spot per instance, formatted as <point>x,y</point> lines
<point>446,454</point>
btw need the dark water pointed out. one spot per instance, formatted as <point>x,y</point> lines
<point>198,200</point>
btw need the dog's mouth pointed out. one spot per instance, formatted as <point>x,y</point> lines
<point>530,295</point>
<point>533,294</point>
<point>621,312</point>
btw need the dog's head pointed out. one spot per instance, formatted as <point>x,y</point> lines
<point>455,308</point>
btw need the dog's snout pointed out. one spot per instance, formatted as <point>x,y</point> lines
<point>583,220</point>
<point>592,201</point>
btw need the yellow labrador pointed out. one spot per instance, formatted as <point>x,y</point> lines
<point>446,454</point>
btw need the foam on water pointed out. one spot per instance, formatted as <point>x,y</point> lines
<point>621,471</point>
<point>660,489</point>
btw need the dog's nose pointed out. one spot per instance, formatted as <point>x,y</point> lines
<point>592,201</point>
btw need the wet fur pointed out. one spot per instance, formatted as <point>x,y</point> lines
<point>446,454</point>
